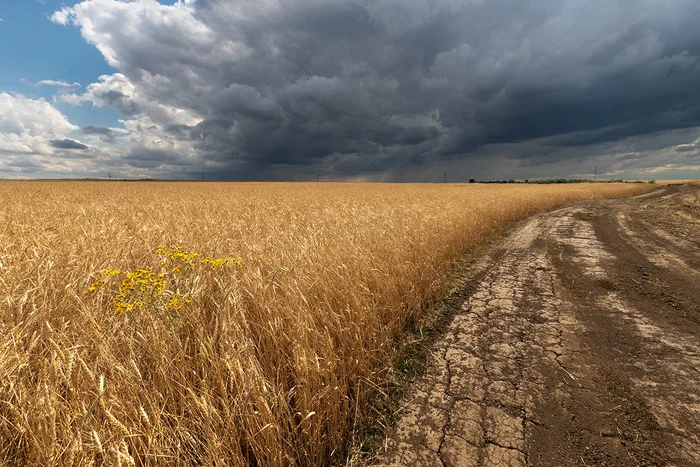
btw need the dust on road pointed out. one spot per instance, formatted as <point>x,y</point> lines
<point>580,346</point>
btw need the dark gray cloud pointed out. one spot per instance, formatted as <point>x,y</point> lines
<point>179,131</point>
<point>355,87</point>
<point>106,134</point>
<point>686,148</point>
<point>146,158</point>
<point>67,144</point>
<point>120,101</point>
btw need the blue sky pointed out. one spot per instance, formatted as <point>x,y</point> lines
<point>38,49</point>
<point>397,90</point>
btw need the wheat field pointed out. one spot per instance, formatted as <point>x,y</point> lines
<point>268,364</point>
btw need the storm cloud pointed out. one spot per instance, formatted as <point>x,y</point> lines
<point>396,89</point>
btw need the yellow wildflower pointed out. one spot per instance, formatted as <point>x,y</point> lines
<point>112,272</point>
<point>94,286</point>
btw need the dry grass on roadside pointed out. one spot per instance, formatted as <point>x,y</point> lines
<point>268,364</point>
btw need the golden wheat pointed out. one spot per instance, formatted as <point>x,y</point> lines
<point>267,364</point>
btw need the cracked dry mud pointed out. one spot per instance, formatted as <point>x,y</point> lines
<point>579,346</point>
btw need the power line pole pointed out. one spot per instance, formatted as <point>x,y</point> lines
<point>109,174</point>
<point>445,176</point>
<point>595,174</point>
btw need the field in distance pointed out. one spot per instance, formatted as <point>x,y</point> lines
<point>221,323</point>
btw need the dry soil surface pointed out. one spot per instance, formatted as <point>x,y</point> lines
<point>580,345</point>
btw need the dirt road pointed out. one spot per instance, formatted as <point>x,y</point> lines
<point>580,345</point>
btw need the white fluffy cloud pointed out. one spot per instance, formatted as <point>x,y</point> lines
<point>31,132</point>
<point>27,125</point>
<point>267,88</point>
<point>119,92</point>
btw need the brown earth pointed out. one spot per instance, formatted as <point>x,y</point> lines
<point>579,346</point>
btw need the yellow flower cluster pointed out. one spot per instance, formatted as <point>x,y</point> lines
<point>222,262</point>
<point>181,258</point>
<point>141,284</point>
<point>107,272</point>
<point>177,255</point>
<point>112,272</point>
<point>175,303</point>
<point>94,286</point>
<point>143,288</point>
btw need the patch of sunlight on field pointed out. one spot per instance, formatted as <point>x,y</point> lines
<point>267,364</point>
